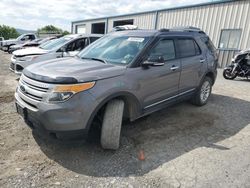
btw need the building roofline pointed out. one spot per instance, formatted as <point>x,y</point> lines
<point>158,10</point>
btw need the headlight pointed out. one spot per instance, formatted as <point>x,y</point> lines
<point>27,58</point>
<point>63,92</point>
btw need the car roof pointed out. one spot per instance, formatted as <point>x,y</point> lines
<point>164,32</point>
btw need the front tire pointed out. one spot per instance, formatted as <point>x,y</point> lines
<point>203,93</point>
<point>227,74</point>
<point>111,126</point>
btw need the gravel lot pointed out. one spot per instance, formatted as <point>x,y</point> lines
<point>184,146</point>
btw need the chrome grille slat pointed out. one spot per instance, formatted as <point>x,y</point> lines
<point>27,98</point>
<point>35,83</point>
<point>31,91</point>
<point>31,96</point>
<point>34,87</point>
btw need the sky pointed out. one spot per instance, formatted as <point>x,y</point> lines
<point>33,14</point>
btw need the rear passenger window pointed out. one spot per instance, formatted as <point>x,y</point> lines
<point>188,47</point>
<point>164,48</point>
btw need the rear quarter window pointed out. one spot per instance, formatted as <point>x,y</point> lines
<point>209,44</point>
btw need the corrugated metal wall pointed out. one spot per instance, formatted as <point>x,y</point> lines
<point>143,21</point>
<point>88,25</point>
<point>211,18</point>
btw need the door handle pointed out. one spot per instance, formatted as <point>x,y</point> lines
<point>173,68</point>
<point>202,60</point>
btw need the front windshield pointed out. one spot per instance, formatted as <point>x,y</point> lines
<point>54,44</point>
<point>20,37</point>
<point>115,49</point>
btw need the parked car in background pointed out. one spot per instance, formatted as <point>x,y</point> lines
<point>125,74</point>
<point>66,46</point>
<point>1,38</point>
<point>33,43</point>
<point>5,45</point>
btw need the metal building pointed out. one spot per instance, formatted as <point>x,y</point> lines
<point>227,22</point>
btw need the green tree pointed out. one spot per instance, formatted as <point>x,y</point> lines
<point>50,29</point>
<point>8,32</point>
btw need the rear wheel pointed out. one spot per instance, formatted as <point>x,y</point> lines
<point>111,126</point>
<point>202,95</point>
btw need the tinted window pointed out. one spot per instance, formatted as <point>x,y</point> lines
<point>209,44</point>
<point>164,48</point>
<point>31,37</point>
<point>188,47</point>
<point>77,45</point>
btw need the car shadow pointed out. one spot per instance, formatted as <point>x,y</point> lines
<point>163,136</point>
<point>242,79</point>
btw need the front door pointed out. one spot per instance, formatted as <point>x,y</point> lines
<point>159,84</point>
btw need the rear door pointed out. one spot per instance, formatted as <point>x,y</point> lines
<point>192,64</point>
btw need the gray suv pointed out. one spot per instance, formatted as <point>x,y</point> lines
<point>123,75</point>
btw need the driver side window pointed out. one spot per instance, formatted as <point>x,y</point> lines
<point>77,45</point>
<point>164,48</point>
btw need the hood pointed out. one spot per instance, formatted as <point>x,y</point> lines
<point>72,70</point>
<point>16,46</point>
<point>30,51</point>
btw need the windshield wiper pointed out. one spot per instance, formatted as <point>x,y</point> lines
<point>95,59</point>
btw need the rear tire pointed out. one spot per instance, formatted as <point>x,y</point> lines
<point>111,126</point>
<point>202,95</point>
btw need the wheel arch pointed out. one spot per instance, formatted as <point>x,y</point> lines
<point>211,75</point>
<point>132,106</point>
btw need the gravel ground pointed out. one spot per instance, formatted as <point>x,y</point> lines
<point>184,146</point>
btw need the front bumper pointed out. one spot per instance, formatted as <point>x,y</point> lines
<point>66,118</point>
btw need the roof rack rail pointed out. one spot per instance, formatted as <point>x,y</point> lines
<point>188,29</point>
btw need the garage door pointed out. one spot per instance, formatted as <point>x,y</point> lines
<point>81,29</point>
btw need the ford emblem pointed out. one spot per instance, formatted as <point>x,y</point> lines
<point>22,88</point>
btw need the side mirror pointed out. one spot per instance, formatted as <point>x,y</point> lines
<point>154,61</point>
<point>63,49</point>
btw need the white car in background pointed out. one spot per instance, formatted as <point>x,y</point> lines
<point>66,46</point>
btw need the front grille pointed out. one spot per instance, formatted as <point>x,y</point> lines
<point>19,68</point>
<point>32,91</point>
<point>12,66</point>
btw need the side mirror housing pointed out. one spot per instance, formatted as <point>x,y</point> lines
<point>63,49</point>
<point>154,61</point>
